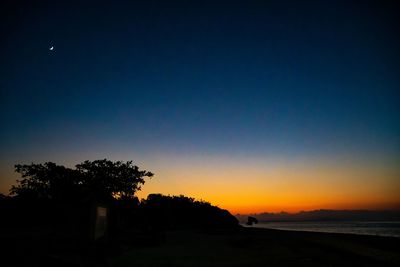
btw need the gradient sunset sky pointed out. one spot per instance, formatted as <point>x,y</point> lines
<point>252,105</point>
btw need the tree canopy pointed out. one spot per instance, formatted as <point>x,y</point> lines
<point>105,178</point>
<point>179,212</point>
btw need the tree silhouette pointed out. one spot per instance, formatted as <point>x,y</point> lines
<point>179,212</point>
<point>104,178</point>
<point>48,180</point>
<point>117,179</point>
<point>251,221</point>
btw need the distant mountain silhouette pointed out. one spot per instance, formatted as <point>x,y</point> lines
<point>325,215</point>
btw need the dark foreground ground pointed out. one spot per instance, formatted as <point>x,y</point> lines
<point>242,247</point>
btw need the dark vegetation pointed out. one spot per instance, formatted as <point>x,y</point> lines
<point>104,178</point>
<point>52,194</point>
<point>47,220</point>
<point>180,212</point>
<point>51,212</point>
<point>251,221</point>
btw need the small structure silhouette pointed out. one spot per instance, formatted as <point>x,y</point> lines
<point>251,221</point>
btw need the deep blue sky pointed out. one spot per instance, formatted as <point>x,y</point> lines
<point>250,78</point>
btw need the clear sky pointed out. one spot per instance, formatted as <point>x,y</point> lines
<point>252,105</point>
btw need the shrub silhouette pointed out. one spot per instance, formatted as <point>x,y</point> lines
<point>179,212</point>
<point>54,195</point>
<point>51,194</point>
<point>251,221</point>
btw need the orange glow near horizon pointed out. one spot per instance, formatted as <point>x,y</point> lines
<point>258,187</point>
<point>254,185</point>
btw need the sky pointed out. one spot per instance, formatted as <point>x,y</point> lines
<point>251,105</point>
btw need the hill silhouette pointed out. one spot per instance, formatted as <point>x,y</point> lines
<point>326,215</point>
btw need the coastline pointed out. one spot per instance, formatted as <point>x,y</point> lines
<point>371,228</point>
<point>265,247</point>
<point>243,246</point>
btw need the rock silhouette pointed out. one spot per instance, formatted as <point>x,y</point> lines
<point>251,221</point>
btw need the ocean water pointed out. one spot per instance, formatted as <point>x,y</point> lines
<point>360,228</point>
